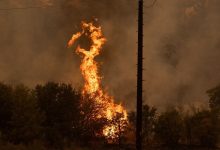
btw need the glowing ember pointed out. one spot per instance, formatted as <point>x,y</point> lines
<point>92,87</point>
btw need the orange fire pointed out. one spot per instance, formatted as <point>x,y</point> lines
<point>92,86</point>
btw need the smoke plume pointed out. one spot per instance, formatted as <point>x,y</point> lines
<point>181,46</point>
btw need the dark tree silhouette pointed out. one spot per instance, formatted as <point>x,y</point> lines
<point>169,127</point>
<point>214,95</point>
<point>149,121</point>
<point>90,126</point>
<point>26,120</point>
<point>202,128</point>
<point>5,109</point>
<point>121,126</point>
<point>56,116</point>
<point>60,103</point>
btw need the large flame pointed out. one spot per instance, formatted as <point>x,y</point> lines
<point>92,86</point>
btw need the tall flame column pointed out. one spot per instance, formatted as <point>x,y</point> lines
<point>106,108</point>
<point>139,77</point>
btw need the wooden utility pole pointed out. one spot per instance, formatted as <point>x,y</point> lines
<point>139,77</point>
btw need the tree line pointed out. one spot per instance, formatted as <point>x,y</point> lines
<point>56,116</point>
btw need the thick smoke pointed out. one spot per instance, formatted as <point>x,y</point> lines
<point>182,51</point>
<point>181,48</point>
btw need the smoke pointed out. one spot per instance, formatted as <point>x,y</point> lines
<point>181,47</point>
<point>47,2</point>
<point>182,50</point>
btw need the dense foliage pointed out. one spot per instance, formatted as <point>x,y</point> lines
<point>55,116</point>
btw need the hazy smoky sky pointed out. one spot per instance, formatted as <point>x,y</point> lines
<point>181,46</point>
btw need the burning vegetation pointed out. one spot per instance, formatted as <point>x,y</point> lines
<point>108,110</point>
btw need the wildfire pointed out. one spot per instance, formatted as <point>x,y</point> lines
<point>92,87</point>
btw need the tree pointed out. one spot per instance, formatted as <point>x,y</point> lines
<point>214,98</point>
<point>130,134</point>
<point>120,125</point>
<point>202,128</point>
<point>149,120</point>
<point>26,120</point>
<point>90,127</point>
<point>214,103</point>
<point>5,109</point>
<point>188,129</point>
<point>60,103</point>
<point>169,127</point>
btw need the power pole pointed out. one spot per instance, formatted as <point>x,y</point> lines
<point>139,77</point>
